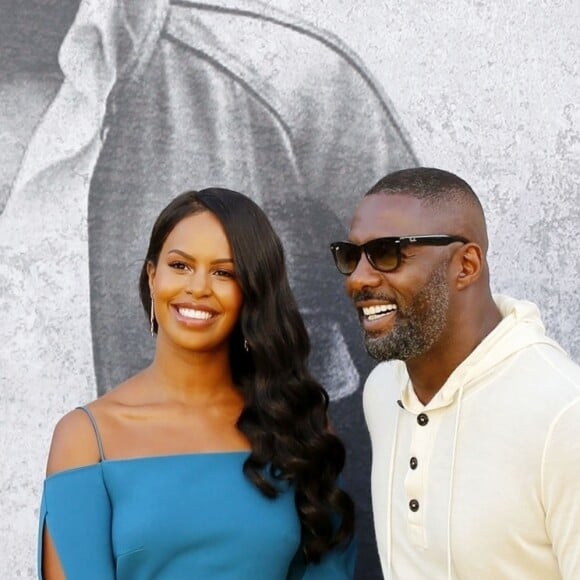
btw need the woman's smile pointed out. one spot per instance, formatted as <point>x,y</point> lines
<point>194,316</point>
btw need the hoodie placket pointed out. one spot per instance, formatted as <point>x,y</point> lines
<point>424,431</point>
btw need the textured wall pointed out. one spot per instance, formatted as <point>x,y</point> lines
<point>486,90</point>
<point>490,91</point>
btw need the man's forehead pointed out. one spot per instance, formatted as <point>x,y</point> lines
<point>382,215</point>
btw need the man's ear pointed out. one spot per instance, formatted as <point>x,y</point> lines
<point>151,269</point>
<point>469,265</point>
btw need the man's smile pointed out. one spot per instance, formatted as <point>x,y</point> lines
<point>377,311</point>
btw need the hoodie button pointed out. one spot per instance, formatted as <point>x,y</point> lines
<point>414,505</point>
<point>422,419</point>
<point>413,463</point>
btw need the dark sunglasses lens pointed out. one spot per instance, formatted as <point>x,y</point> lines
<point>382,254</point>
<point>346,257</point>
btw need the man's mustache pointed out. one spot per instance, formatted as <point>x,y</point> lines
<point>364,295</point>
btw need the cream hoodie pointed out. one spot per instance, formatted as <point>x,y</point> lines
<point>483,482</point>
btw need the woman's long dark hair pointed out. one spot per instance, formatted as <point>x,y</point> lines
<point>285,410</point>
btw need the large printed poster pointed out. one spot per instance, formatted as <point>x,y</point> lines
<point>112,107</point>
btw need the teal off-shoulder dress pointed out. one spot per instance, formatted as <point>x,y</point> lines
<point>189,516</point>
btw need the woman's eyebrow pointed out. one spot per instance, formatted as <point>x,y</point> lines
<point>191,258</point>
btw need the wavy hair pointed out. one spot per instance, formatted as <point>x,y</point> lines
<point>285,408</point>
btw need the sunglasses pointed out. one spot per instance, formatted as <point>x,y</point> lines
<point>383,254</point>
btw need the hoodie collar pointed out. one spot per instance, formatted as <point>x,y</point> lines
<point>521,326</point>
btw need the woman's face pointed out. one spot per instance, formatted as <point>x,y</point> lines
<point>196,296</point>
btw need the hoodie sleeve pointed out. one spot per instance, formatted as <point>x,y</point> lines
<point>76,511</point>
<point>561,489</point>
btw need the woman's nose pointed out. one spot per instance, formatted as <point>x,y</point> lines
<point>198,283</point>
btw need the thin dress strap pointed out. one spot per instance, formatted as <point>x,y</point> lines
<point>96,430</point>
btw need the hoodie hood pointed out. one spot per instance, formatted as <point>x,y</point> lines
<point>520,328</point>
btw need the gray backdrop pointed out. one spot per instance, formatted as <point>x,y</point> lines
<point>157,99</point>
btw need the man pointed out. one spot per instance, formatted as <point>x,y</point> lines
<point>476,428</point>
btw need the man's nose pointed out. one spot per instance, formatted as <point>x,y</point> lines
<point>363,276</point>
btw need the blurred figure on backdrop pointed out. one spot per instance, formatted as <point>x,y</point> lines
<point>152,97</point>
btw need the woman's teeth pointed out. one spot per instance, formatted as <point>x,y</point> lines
<point>195,314</point>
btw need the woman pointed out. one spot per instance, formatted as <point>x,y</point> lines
<point>216,460</point>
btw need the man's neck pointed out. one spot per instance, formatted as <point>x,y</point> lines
<point>429,372</point>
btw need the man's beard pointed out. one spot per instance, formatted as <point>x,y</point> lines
<point>418,325</point>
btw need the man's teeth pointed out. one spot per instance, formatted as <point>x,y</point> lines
<point>197,314</point>
<point>374,312</point>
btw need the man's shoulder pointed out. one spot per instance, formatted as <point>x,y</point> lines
<point>550,364</point>
<point>540,379</point>
<point>382,384</point>
<point>381,392</point>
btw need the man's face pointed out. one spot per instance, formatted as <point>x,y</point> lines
<point>403,313</point>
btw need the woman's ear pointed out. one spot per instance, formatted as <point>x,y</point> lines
<point>469,265</point>
<point>151,275</point>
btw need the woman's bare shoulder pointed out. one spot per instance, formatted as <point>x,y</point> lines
<point>74,443</point>
<point>75,440</point>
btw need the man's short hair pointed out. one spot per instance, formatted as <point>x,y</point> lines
<point>434,187</point>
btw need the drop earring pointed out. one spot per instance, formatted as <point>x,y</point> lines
<point>152,318</point>
<point>246,345</point>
